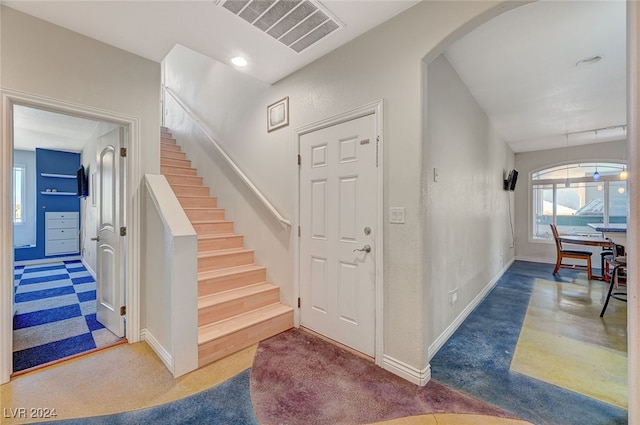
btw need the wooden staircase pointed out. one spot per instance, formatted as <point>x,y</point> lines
<point>236,305</point>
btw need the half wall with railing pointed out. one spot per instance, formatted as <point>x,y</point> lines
<point>169,278</point>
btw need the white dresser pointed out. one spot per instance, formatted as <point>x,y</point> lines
<point>61,234</point>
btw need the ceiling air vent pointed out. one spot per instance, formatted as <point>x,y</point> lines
<point>297,24</point>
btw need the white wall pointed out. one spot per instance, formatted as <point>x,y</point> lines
<point>49,62</point>
<point>385,63</point>
<point>25,234</point>
<point>468,238</point>
<point>528,162</point>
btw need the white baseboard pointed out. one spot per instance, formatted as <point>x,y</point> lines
<point>46,260</point>
<point>89,269</point>
<point>537,260</point>
<point>164,355</point>
<point>403,370</point>
<point>444,337</point>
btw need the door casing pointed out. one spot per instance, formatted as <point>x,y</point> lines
<point>133,168</point>
<point>375,108</point>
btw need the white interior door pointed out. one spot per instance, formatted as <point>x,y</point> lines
<point>110,274</point>
<point>338,218</point>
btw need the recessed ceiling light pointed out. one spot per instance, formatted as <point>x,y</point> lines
<point>239,61</point>
<point>589,61</point>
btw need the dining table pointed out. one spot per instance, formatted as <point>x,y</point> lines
<point>586,240</point>
<point>617,232</point>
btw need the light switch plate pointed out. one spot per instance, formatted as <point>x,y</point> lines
<point>397,215</point>
<point>453,296</point>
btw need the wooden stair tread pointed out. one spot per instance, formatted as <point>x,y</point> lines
<point>195,213</point>
<point>173,162</point>
<point>221,252</point>
<point>197,199</point>
<point>188,185</point>
<point>234,294</point>
<point>210,221</point>
<point>187,167</point>
<point>180,175</point>
<point>202,208</point>
<point>195,196</point>
<point>229,271</point>
<point>178,171</point>
<point>219,329</point>
<point>217,235</point>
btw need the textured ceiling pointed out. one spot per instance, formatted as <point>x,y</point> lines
<point>35,128</point>
<point>151,28</point>
<point>521,68</point>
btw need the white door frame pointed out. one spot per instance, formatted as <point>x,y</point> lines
<point>132,259</point>
<point>373,108</point>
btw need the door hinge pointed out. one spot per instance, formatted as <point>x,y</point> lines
<point>123,310</point>
<point>377,147</point>
<point>123,152</point>
<point>123,231</point>
<point>299,160</point>
<point>299,231</point>
<point>298,302</point>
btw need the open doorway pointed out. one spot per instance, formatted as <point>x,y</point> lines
<point>68,280</point>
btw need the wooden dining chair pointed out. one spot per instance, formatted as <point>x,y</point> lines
<point>570,253</point>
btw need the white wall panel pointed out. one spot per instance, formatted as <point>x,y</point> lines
<point>319,156</point>
<point>348,150</point>
<point>319,284</point>
<point>348,287</point>
<point>348,208</point>
<point>319,209</point>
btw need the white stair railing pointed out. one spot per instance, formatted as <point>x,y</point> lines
<point>205,131</point>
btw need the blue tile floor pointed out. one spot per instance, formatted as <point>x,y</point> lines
<point>55,314</point>
<point>476,359</point>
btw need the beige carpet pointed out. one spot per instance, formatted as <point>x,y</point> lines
<point>120,379</point>
<point>565,342</point>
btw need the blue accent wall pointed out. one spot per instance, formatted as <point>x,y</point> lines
<point>52,162</point>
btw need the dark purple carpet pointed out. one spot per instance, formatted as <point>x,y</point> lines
<point>298,378</point>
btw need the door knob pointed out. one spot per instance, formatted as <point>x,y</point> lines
<point>97,239</point>
<point>366,248</point>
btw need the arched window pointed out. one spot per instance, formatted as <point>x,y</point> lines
<point>576,197</point>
